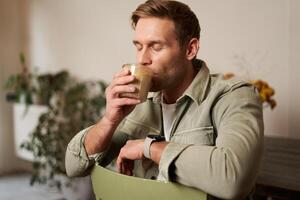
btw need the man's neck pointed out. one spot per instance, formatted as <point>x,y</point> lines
<point>170,96</point>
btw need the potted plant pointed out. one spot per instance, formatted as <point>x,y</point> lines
<point>70,111</point>
<point>31,94</point>
<point>70,105</point>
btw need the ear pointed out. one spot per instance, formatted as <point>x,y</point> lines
<point>192,48</point>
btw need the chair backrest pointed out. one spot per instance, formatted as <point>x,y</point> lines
<point>109,185</point>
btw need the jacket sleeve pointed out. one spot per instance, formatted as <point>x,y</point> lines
<point>227,170</point>
<point>78,162</point>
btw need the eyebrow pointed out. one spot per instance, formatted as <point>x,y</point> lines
<point>150,43</point>
<point>135,42</point>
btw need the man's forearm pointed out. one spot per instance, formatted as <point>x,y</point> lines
<point>99,136</point>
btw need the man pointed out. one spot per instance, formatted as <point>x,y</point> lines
<point>213,127</point>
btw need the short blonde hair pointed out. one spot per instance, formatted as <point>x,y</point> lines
<point>185,21</point>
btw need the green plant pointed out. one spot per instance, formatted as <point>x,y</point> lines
<point>20,85</point>
<point>49,84</point>
<point>31,88</point>
<point>74,109</point>
<point>72,106</point>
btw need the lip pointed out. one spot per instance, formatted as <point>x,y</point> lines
<point>155,74</point>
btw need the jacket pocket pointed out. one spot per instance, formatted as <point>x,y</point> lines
<point>200,136</point>
<point>137,129</point>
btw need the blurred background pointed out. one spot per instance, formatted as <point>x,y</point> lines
<point>92,39</point>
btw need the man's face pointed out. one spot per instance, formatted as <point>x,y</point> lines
<point>158,48</point>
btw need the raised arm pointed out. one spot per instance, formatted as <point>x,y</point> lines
<point>92,142</point>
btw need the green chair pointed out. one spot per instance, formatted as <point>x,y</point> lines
<point>109,185</point>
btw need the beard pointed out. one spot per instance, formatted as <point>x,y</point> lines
<point>156,84</point>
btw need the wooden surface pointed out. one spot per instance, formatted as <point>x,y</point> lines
<point>281,163</point>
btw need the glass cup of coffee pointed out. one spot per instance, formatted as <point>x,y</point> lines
<point>143,81</point>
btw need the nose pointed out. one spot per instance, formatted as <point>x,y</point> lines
<point>144,57</point>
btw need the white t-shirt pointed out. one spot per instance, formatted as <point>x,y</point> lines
<point>169,113</point>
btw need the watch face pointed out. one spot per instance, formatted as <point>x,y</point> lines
<point>157,137</point>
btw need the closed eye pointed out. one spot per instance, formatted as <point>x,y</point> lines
<point>137,45</point>
<point>157,47</point>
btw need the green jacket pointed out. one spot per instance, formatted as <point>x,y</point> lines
<point>216,141</point>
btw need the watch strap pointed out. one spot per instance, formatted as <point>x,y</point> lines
<point>147,143</point>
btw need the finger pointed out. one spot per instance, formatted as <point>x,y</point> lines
<point>123,72</point>
<point>128,172</point>
<point>131,165</point>
<point>119,164</point>
<point>124,102</point>
<point>128,167</point>
<point>113,90</point>
<point>125,168</point>
<point>123,89</point>
<point>124,80</point>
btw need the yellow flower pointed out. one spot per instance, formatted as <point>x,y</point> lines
<point>265,92</point>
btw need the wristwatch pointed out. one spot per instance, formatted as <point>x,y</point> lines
<point>148,141</point>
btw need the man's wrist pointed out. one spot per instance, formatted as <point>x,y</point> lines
<point>99,136</point>
<point>148,142</point>
<point>157,148</point>
<point>108,123</point>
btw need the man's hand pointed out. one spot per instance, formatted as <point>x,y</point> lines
<point>99,136</point>
<point>132,150</point>
<point>117,108</point>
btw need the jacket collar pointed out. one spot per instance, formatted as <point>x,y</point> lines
<point>197,89</point>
